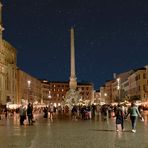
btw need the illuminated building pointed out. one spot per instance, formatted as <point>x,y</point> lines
<point>54,92</point>
<point>28,88</point>
<point>7,68</point>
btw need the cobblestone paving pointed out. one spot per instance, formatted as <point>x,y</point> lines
<point>72,134</point>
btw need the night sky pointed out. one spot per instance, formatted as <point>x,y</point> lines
<point>111,36</point>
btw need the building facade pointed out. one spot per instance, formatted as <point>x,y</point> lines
<point>28,88</point>
<point>97,97</point>
<point>137,85</point>
<point>103,95</point>
<point>146,82</point>
<point>108,91</point>
<point>58,91</point>
<point>7,68</point>
<point>127,86</point>
<point>86,92</point>
<point>55,92</point>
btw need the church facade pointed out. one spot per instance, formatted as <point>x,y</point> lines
<point>7,68</point>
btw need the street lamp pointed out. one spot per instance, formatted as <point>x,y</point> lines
<point>105,94</point>
<point>49,97</point>
<point>28,85</point>
<point>118,88</point>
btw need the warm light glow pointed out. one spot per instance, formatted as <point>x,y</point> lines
<point>105,94</point>
<point>118,80</point>
<point>49,96</point>
<point>29,82</point>
<point>118,87</point>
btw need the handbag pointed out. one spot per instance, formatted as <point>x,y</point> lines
<point>142,119</point>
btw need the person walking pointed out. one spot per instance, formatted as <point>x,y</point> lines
<point>51,109</point>
<point>74,112</point>
<point>6,112</point>
<point>30,114</point>
<point>119,117</point>
<point>45,112</point>
<point>134,113</point>
<point>22,114</point>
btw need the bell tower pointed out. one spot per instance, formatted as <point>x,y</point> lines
<point>1,27</point>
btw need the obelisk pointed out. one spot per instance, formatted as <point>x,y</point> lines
<point>73,82</point>
<point>72,95</point>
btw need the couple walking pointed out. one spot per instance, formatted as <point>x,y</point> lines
<point>26,112</point>
<point>132,111</point>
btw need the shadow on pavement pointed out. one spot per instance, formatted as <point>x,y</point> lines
<point>110,130</point>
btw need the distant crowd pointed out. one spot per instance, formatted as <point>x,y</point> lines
<point>78,112</point>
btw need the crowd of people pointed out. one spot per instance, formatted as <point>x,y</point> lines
<point>80,112</point>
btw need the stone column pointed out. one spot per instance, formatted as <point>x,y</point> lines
<point>72,95</point>
<point>73,82</point>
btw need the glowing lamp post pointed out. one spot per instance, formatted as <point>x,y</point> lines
<point>118,87</point>
<point>28,85</point>
<point>105,94</point>
<point>49,97</point>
